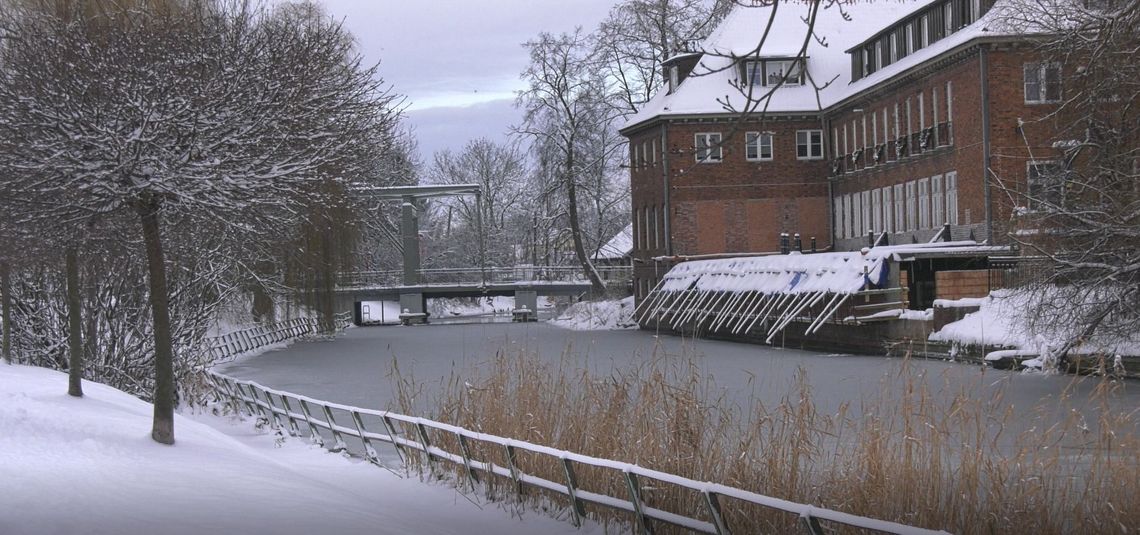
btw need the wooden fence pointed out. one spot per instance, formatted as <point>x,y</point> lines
<point>420,441</point>
<point>231,344</point>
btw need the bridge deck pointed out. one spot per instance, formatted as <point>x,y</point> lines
<point>380,293</point>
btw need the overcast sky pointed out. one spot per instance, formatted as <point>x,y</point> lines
<point>458,62</point>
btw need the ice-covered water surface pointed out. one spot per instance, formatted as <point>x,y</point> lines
<point>355,367</point>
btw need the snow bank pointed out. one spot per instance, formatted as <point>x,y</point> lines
<point>71,465</point>
<point>1003,320</point>
<point>598,316</point>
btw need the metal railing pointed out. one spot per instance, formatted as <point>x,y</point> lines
<point>420,441</point>
<point>488,275</point>
<point>231,344</point>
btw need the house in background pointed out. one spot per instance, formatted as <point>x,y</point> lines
<point>916,100</point>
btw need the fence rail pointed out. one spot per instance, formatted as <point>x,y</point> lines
<point>229,345</point>
<point>425,439</point>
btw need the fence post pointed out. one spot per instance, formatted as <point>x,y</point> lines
<point>713,503</point>
<point>274,422</point>
<point>467,459</point>
<point>369,451</point>
<point>514,470</point>
<point>339,445</point>
<point>251,403</point>
<point>391,430</point>
<point>422,431</point>
<point>293,428</point>
<point>635,499</point>
<point>576,509</point>
<point>314,434</point>
<point>810,523</point>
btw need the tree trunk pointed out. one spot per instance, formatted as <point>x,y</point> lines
<point>162,430</point>
<point>599,287</point>
<point>74,340</point>
<point>6,296</point>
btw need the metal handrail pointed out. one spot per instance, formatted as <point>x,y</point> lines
<point>258,401</point>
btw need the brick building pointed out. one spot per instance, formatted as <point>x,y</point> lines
<point>883,129</point>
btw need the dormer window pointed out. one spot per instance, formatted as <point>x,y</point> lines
<point>773,72</point>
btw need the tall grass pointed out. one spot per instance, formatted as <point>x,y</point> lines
<point>944,460</point>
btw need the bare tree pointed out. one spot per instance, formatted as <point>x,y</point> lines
<point>501,170</point>
<point>179,111</point>
<point>566,103</point>
<point>1081,211</point>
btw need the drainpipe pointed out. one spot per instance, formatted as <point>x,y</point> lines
<point>984,67</point>
<point>665,183</point>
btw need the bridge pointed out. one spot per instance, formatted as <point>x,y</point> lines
<point>524,283</point>
<point>413,285</point>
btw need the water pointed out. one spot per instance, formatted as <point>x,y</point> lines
<point>355,368</point>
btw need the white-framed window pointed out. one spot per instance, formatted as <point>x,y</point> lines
<point>947,19</point>
<point>637,229</point>
<point>866,213</point>
<point>894,47</point>
<point>708,147</point>
<point>951,186</point>
<point>888,211</point>
<point>1046,181</point>
<point>674,79</point>
<point>937,202</point>
<point>758,146</point>
<point>877,210</point>
<point>857,214</point>
<point>900,208</point>
<point>924,203</point>
<point>771,72</point>
<point>911,206</point>
<point>653,152</point>
<point>1042,82</point>
<point>909,38</point>
<point>809,144</point>
<point>847,216</point>
<point>924,31</point>
<point>645,240</point>
<point>839,230</point>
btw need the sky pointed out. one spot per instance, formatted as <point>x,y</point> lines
<point>458,62</point>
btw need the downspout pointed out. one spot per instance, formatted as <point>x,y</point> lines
<point>668,216</point>
<point>984,68</point>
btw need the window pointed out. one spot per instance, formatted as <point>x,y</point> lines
<point>1046,185</point>
<point>1042,82</point>
<point>947,19</point>
<point>773,72</point>
<point>758,146</point>
<point>645,240</point>
<point>877,210</point>
<point>924,31</point>
<point>909,39</point>
<point>839,231</point>
<point>637,229</point>
<point>900,209</point>
<point>937,203</point>
<point>848,216</point>
<point>951,186</point>
<point>708,147</point>
<point>924,203</point>
<point>866,213</point>
<point>809,144</point>
<point>856,214</point>
<point>911,206</point>
<point>888,211</point>
<point>894,47</point>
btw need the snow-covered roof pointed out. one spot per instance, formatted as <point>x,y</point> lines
<point>619,246</point>
<point>715,77</point>
<point>836,272</point>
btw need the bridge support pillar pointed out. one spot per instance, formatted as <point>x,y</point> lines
<point>413,309</point>
<point>526,306</point>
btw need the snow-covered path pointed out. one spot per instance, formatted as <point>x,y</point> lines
<point>70,465</point>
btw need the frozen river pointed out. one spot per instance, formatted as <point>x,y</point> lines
<point>355,368</point>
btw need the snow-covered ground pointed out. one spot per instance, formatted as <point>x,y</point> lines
<point>598,315</point>
<point>1003,321</point>
<point>71,465</point>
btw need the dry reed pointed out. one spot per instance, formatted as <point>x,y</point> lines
<point>947,461</point>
